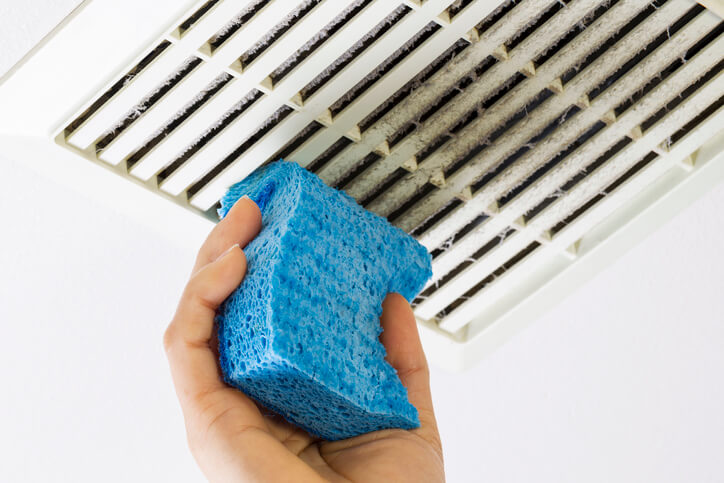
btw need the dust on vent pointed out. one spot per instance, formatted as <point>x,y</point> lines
<point>498,137</point>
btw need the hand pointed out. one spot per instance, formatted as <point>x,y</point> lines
<point>233,440</point>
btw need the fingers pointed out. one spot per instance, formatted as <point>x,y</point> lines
<point>193,363</point>
<point>240,225</point>
<point>405,354</point>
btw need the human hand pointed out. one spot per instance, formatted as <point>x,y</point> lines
<point>233,439</point>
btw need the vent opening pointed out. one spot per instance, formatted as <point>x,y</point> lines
<point>153,97</point>
<point>317,40</point>
<point>259,133</point>
<point>227,118</point>
<point>488,280</point>
<point>193,19</point>
<point>275,34</point>
<point>117,86</point>
<point>241,19</point>
<point>355,51</point>
<point>215,86</point>
<point>387,65</point>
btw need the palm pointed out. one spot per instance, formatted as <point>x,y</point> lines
<point>387,455</point>
<point>229,435</point>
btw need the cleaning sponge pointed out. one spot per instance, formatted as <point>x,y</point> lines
<point>300,334</point>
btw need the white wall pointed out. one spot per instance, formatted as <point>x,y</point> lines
<point>621,382</point>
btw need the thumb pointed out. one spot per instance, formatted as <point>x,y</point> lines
<point>193,363</point>
<point>405,354</point>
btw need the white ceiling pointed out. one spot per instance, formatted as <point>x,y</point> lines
<point>620,382</point>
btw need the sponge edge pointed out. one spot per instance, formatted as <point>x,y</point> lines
<point>301,332</point>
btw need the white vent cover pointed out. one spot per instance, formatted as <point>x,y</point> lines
<point>514,139</point>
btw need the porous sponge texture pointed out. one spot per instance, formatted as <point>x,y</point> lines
<point>300,334</point>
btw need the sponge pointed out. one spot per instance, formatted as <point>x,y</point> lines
<point>300,334</point>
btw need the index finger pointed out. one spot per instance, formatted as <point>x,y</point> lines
<point>240,225</point>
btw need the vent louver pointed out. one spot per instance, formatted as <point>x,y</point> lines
<point>498,137</point>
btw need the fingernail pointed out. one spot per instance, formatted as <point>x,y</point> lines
<point>226,252</point>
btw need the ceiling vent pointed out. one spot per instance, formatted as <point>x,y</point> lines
<point>524,143</point>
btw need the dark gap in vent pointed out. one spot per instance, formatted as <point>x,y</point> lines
<point>641,54</point>
<point>320,161</point>
<point>533,212</point>
<point>522,113</point>
<point>434,146</point>
<point>195,17</point>
<point>446,209</point>
<point>487,280</point>
<point>514,119</point>
<point>241,19</point>
<point>541,171</point>
<point>358,169</point>
<point>302,136</point>
<point>494,16</point>
<point>412,126</point>
<point>458,88</point>
<point>611,152</point>
<point>456,7</point>
<point>417,81</point>
<point>454,91</point>
<point>552,126</point>
<point>696,121</point>
<point>401,133</point>
<point>469,117</point>
<point>391,180</point>
<point>648,87</point>
<point>685,94</point>
<point>209,91</point>
<point>605,45</point>
<point>136,111</point>
<point>117,86</point>
<point>670,69</point>
<point>438,142</point>
<point>630,172</point>
<point>584,23</point>
<point>422,192</point>
<point>275,33</point>
<point>542,18</point>
<point>477,221</point>
<point>387,65</point>
<point>606,191</point>
<point>272,121</point>
<point>513,81</point>
<point>317,40</point>
<point>486,64</point>
<point>492,243</point>
<point>353,52</point>
<point>227,118</point>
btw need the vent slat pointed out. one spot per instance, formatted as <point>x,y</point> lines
<point>504,136</point>
<point>134,136</point>
<point>605,63</point>
<point>481,89</point>
<point>151,76</point>
<point>569,167</point>
<point>474,305</point>
<point>414,106</point>
<point>396,79</point>
<point>480,129</point>
<point>220,146</point>
<point>208,195</point>
<point>594,182</point>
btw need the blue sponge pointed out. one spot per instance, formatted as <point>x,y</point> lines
<point>300,334</point>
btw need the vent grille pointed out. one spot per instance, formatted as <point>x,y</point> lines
<point>498,137</point>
